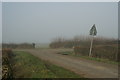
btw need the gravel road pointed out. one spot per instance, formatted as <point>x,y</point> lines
<point>86,68</point>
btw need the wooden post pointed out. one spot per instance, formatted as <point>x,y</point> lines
<point>90,53</point>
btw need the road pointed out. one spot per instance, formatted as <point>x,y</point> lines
<point>86,68</point>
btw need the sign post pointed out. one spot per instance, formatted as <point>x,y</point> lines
<point>93,32</point>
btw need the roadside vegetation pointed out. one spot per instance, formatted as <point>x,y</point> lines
<point>103,48</point>
<point>7,70</point>
<point>26,65</point>
<point>71,53</point>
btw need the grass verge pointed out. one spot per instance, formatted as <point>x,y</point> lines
<point>26,65</point>
<point>69,53</point>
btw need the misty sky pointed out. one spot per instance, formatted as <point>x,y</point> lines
<point>41,22</point>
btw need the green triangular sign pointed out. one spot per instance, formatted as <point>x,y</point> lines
<point>93,30</point>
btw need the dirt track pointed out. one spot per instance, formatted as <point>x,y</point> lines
<point>86,68</point>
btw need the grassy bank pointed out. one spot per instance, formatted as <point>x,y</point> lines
<point>7,72</point>
<point>71,53</point>
<point>26,65</point>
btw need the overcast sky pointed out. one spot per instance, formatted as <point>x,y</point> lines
<point>41,22</point>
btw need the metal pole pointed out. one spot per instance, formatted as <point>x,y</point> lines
<point>91,47</point>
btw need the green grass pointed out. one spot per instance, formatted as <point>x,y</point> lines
<point>26,65</point>
<point>71,53</point>
<point>99,59</point>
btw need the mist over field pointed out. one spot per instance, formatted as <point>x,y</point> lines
<point>42,22</point>
<point>59,40</point>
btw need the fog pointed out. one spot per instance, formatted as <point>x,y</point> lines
<point>42,21</point>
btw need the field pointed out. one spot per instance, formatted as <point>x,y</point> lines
<point>53,63</point>
<point>61,60</point>
<point>28,66</point>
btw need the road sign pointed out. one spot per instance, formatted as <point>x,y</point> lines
<point>93,30</point>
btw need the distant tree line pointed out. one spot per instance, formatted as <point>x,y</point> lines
<point>22,45</point>
<point>80,41</point>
